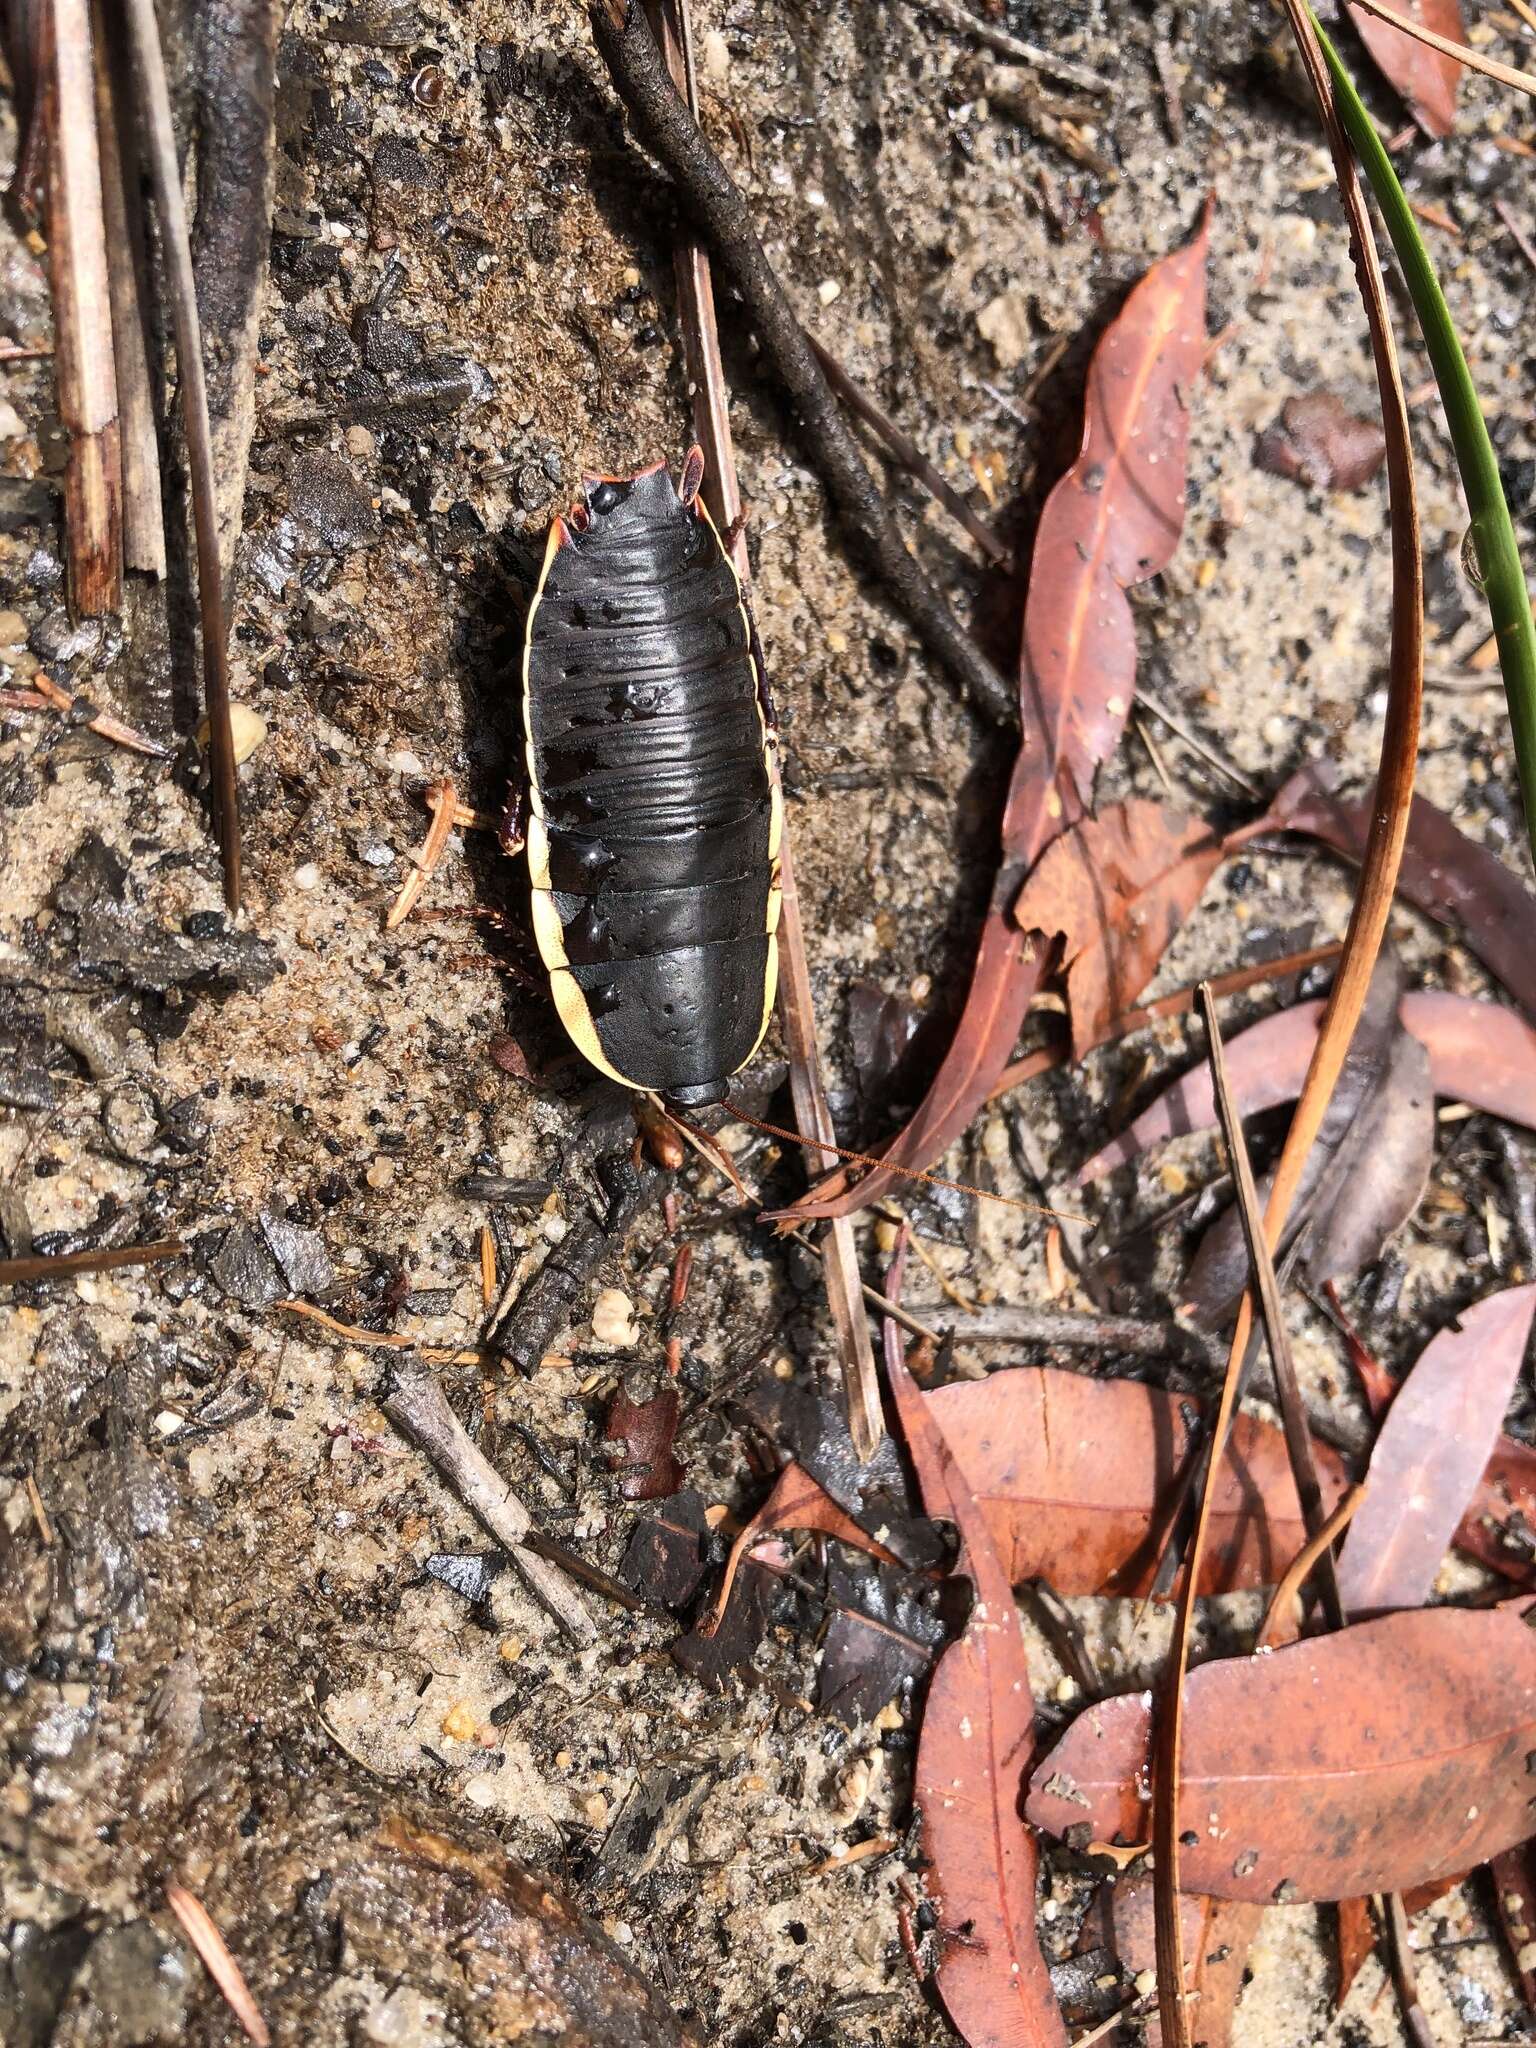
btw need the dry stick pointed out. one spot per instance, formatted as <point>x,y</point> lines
<point>1299,1570</point>
<point>1373,901</point>
<point>84,372</point>
<point>701,347</point>
<point>667,128</point>
<point>1013,46</point>
<point>419,1409</point>
<point>1517,235</point>
<point>908,456</point>
<point>1506,74</point>
<point>165,176</point>
<point>1174,1005</point>
<point>143,512</point>
<point>64,1265</point>
<point>102,722</point>
<point>1298,1439</point>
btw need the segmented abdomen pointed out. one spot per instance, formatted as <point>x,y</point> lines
<point>650,844</point>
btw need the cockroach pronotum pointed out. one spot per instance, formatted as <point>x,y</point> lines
<point>653,809</point>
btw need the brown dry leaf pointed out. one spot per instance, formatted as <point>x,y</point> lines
<point>1218,1934</point>
<point>1514,1884</point>
<point>1366,1172</point>
<point>977,1744</point>
<point>1426,79</point>
<point>1075,1477</point>
<point>1499,1529</point>
<point>1116,888</point>
<point>1111,521</point>
<point>1431,1452</point>
<point>1444,872</point>
<point>1319,442</point>
<point>796,1502</point>
<point>641,1434</point>
<point>1390,1754</point>
<point>1479,1053</point>
<point>1364,1179</point>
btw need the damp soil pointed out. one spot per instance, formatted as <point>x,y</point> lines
<point>232,1653</point>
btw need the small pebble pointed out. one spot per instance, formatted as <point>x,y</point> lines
<point>307,876</point>
<point>13,631</point>
<point>613,1318</point>
<point>381,1173</point>
<point>480,1791</point>
<point>595,1807</point>
<point>247,728</point>
<point>459,1724</point>
<point>828,290</point>
<point>511,1649</point>
<point>169,1423</point>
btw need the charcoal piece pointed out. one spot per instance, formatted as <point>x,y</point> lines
<point>305,1262</point>
<point>469,1573</point>
<point>245,1269</point>
<point>667,1554</point>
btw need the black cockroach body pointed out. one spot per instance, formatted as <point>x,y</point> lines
<point>654,812</point>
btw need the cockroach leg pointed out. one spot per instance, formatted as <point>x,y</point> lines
<point>512,832</point>
<point>693,475</point>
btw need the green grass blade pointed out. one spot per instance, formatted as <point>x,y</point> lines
<point>1492,530</point>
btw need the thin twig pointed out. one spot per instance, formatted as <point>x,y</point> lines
<point>165,175</point>
<point>1193,741</point>
<point>213,1953</point>
<point>443,803</point>
<point>961,17</point>
<point>85,375</point>
<point>1517,233</point>
<point>64,1265</point>
<point>667,128</point>
<point>908,456</point>
<point>797,1015</point>
<point>1048,1058</point>
<point>102,722</point>
<point>1506,74</point>
<point>1373,902</point>
<point>1299,1569</point>
<point>1293,1414</point>
<point>419,1409</point>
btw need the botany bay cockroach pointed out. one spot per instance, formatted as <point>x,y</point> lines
<point>653,807</point>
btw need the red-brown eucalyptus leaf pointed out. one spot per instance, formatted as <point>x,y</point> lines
<point>1218,1934</point>
<point>1075,1476</point>
<point>1431,1452</point>
<point>1426,79</point>
<point>1514,1884</point>
<point>1365,1176</point>
<point>640,1435</point>
<point>1111,521</point>
<point>1499,1529</point>
<point>797,1502</point>
<point>1116,888</point>
<point>1479,1053</point>
<point>1444,873</point>
<point>1390,1754</point>
<point>975,1750</point>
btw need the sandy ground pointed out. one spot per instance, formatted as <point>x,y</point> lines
<point>459,212</point>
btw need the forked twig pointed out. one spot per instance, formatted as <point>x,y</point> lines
<point>165,176</point>
<point>1373,902</point>
<point>701,345</point>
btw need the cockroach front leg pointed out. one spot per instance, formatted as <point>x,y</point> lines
<point>512,832</point>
